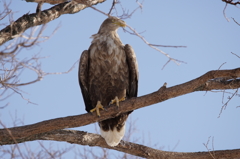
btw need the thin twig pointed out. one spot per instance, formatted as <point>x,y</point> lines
<point>225,105</point>
<point>10,133</point>
<point>221,65</point>
<point>46,150</point>
<point>235,54</point>
<point>113,4</point>
<point>209,150</point>
<point>225,13</point>
<point>2,107</point>
<point>178,62</point>
<point>167,46</point>
<point>236,21</point>
<point>126,14</point>
<point>69,70</point>
<point>99,10</point>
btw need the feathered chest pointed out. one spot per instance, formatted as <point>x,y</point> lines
<point>107,55</point>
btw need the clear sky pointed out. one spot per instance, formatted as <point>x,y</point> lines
<point>186,121</point>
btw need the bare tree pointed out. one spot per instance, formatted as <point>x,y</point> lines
<point>12,68</point>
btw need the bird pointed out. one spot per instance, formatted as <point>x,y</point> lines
<point>108,74</point>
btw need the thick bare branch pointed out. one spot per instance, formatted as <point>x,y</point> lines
<point>134,103</point>
<point>31,20</point>
<point>84,138</point>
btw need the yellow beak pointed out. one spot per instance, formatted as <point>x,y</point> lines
<point>121,24</point>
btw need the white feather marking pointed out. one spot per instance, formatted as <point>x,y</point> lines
<point>113,138</point>
<point>92,51</point>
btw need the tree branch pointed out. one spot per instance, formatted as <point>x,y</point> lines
<point>219,84</point>
<point>134,103</point>
<point>31,20</point>
<point>231,2</point>
<point>84,138</point>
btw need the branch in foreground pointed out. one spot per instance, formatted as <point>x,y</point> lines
<point>84,138</point>
<point>128,105</point>
<point>31,20</point>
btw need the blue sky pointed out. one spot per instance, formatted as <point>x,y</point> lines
<point>188,120</point>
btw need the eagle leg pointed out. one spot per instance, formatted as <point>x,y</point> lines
<point>97,108</point>
<point>116,100</point>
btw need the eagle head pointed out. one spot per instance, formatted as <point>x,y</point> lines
<point>111,24</point>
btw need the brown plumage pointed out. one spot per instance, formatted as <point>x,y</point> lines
<point>107,71</point>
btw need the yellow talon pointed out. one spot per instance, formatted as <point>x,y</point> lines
<point>116,100</point>
<point>97,108</point>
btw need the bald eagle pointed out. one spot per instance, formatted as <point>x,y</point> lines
<point>108,73</point>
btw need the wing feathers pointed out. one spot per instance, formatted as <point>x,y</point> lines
<point>83,78</point>
<point>133,70</point>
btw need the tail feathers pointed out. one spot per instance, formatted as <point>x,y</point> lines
<point>113,137</point>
